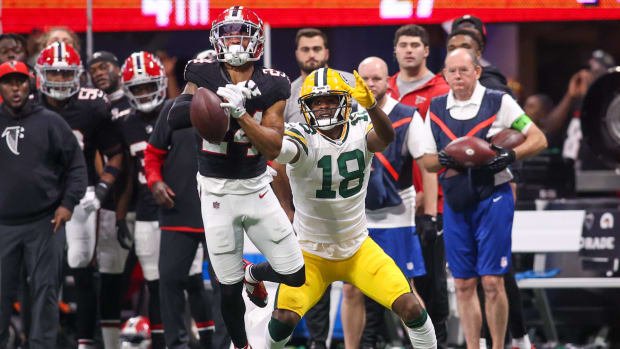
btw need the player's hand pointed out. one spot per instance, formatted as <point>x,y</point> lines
<point>90,202</point>
<point>503,159</point>
<point>123,235</point>
<point>426,229</point>
<point>362,94</point>
<point>235,99</point>
<point>163,194</point>
<point>249,89</point>
<point>61,216</point>
<point>446,160</point>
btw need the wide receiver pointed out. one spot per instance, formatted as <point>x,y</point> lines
<point>233,178</point>
<point>329,161</point>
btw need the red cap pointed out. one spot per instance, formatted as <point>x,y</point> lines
<point>14,67</point>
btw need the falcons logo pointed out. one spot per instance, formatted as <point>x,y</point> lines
<point>12,135</point>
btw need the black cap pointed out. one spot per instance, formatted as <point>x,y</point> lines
<point>604,58</point>
<point>475,21</point>
<point>103,56</point>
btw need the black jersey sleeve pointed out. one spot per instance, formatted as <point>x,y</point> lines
<point>277,86</point>
<point>195,71</point>
<point>71,157</point>
<point>108,138</point>
<point>162,133</point>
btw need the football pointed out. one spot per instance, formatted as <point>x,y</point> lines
<point>207,116</point>
<point>470,151</point>
<point>508,138</point>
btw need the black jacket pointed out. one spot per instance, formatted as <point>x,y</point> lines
<point>41,165</point>
<point>492,78</point>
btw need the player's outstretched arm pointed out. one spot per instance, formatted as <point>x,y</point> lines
<point>266,136</point>
<point>383,133</point>
<point>178,116</point>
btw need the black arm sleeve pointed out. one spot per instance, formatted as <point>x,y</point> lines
<point>178,117</point>
<point>162,134</point>
<point>75,178</point>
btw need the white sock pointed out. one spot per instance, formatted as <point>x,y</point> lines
<point>522,343</point>
<point>271,344</point>
<point>483,343</point>
<point>111,337</point>
<point>423,337</point>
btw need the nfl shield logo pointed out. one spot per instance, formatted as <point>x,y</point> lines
<point>216,204</point>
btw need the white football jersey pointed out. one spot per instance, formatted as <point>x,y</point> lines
<point>329,184</point>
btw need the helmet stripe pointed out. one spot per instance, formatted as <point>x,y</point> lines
<point>59,51</point>
<point>316,78</point>
<point>139,62</point>
<point>235,10</point>
<point>325,76</point>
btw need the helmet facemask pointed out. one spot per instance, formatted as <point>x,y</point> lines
<point>246,33</point>
<point>339,117</point>
<point>146,103</point>
<point>59,90</point>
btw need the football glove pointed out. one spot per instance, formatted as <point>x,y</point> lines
<point>123,235</point>
<point>446,160</point>
<point>90,202</point>
<point>503,159</point>
<point>426,229</point>
<point>361,93</point>
<point>249,89</point>
<point>235,99</point>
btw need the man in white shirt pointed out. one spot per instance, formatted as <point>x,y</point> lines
<point>479,205</point>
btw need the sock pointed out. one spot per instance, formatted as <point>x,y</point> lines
<point>205,332</point>
<point>483,343</point>
<point>157,329</point>
<point>110,309</point>
<point>277,334</point>
<point>421,332</point>
<point>248,275</point>
<point>233,309</point>
<point>86,300</point>
<point>522,343</point>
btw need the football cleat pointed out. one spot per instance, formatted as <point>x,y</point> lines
<point>256,291</point>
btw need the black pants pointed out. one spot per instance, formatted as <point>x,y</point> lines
<point>433,287</point>
<point>317,320</point>
<point>41,251</point>
<point>177,252</point>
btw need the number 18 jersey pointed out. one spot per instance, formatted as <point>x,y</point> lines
<point>329,183</point>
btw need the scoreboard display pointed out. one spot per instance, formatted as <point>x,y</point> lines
<point>23,16</point>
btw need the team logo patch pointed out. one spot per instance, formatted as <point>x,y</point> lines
<point>216,204</point>
<point>504,262</point>
<point>419,99</point>
<point>12,135</point>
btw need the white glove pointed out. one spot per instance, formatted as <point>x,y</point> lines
<point>249,88</point>
<point>90,203</point>
<point>235,97</point>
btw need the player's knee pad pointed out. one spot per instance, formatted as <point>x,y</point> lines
<point>296,279</point>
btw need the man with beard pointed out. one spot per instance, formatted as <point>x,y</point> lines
<point>105,72</point>
<point>311,53</point>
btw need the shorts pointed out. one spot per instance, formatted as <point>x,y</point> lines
<point>403,246</point>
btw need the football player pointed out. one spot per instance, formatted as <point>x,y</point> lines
<point>87,111</point>
<point>329,160</point>
<point>233,178</point>
<point>144,83</point>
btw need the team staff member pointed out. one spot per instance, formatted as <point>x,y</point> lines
<point>43,179</point>
<point>478,213</point>
<point>171,167</point>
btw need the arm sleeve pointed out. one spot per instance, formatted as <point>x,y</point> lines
<point>75,178</point>
<point>178,117</point>
<point>108,135</point>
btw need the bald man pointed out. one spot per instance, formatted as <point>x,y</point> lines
<point>390,209</point>
<point>479,203</point>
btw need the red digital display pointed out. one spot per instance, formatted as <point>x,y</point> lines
<point>147,15</point>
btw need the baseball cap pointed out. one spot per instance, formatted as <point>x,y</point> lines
<point>103,56</point>
<point>14,67</point>
<point>604,58</point>
<point>475,21</point>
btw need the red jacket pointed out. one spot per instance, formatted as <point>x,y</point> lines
<point>421,99</point>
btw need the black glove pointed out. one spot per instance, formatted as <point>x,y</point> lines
<point>123,235</point>
<point>102,189</point>
<point>426,229</point>
<point>446,160</point>
<point>503,159</point>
